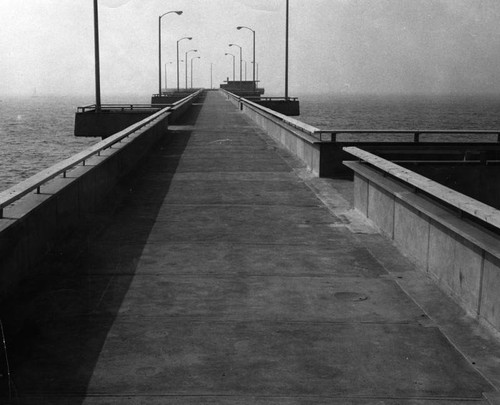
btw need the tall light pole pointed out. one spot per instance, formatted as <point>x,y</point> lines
<point>159,47</point>
<point>241,57</point>
<point>286,51</point>
<point>256,71</point>
<point>245,62</point>
<point>253,61</point>
<point>166,84</point>
<point>96,52</point>
<point>211,75</point>
<point>188,38</point>
<point>186,64</point>
<point>196,57</point>
<point>230,54</point>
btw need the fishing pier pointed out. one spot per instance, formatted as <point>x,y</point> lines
<point>219,252</point>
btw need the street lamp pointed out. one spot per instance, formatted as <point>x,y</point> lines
<point>196,57</point>
<point>241,57</point>
<point>253,62</point>
<point>166,84</point>
<point>286,51</point>
<point>211,75</point>
<point>245,62</point>
<point>188,38</point>
<point>256,71</point>
<point>96,55</point>
<point>159,47</point>
<point>230,54</point>
<point>186,64</point>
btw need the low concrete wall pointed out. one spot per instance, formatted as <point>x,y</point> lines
<point>460,251</point>
<point>33,225</point>
<point>293,135</point>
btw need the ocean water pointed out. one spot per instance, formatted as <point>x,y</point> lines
<point>37,132</point>
<point>405,113</point>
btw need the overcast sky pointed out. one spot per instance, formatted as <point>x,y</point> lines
<point>336,46</point>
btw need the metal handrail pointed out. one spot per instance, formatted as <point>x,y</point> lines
<point>416,132</point>
<point>318,133</point>
<point>462,202</point>
<point>23,188</point>
<point>271,98</point>
<point>123,107</point>
<point>303,127</point>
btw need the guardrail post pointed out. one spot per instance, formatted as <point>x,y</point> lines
<point>1,213</point>
<point>416,137</point>
<point>333,137</point>
<point>498,137</point>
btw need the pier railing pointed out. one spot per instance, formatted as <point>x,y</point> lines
<point>122,107</point>
<point>331,135</point>
<point>35,182</point>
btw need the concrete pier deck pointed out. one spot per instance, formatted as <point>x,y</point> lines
<point>227,275</point>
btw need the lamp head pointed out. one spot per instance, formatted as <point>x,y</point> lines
<point>239,28</point>
<point>178,12</point>
<point>190,38</point>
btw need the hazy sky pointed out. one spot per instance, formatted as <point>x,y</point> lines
<point>336,46</point>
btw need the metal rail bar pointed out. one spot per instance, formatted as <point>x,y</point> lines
<point>18,191</point>
<point>123,107</point>
<point>462,202</point>
<point>332,133</point>
<point>415,132</point>
<point>252,98</point>
<point>303,127</point>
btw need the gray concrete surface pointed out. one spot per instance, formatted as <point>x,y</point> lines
<point>226,274</point>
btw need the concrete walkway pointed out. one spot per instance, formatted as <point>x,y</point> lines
<point>226,275</point>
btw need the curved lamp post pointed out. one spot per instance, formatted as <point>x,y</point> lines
<point>196,57</point>
<point>286,50</point>
<point>241,57</point>
<point>230,54</point>
<point>186,64</point>
<point>159,46</point>
<point>188,38</point>
<point>166,84</point>
<point>253,62</point>
<point>256,72</point>
<point>96,55</point>
<point>211,74</point>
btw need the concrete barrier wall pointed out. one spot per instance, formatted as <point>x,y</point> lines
<point>293,135</point>
<point>460,252</point>
<point>37,222</point>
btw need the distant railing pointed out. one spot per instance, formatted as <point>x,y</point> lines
<point>18,191</point>
<point>251,98</point>
<point>122,107</point>
<point>332,133</point>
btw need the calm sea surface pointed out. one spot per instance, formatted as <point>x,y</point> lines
<point>405,113</point>
<point>36,133</point>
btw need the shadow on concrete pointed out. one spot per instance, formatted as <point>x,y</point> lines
<point>57,323</point>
